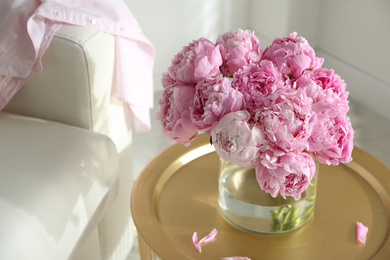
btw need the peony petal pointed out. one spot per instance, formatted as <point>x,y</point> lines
<point>195,242</point>
<point>361,233</point>
<point>236,258</point>
<point>209,237</point>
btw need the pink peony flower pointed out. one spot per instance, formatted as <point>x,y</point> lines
<point>287,174</point>
<point>238,48</point>
<point>331,140</point>
<point>293,55</point>
<point>201,58</point>
<point>237,139</point>
<point>329,80</point>
<point>256,82</point>
<point>327,91</point>
<point>213,99</point>
<point>174,113</point>
<point>288,120</point>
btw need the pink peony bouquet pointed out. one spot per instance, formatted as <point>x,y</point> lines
<point>272,108</point>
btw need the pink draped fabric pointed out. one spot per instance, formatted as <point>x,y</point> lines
<point>27,28</point>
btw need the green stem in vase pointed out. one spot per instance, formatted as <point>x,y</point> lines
<point>312,197</point>
<point>280,212</point>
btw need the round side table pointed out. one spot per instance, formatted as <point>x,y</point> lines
<point>177,192</point>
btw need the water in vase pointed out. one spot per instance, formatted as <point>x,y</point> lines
<point>244,204</point>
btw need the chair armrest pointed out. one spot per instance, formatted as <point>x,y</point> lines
<point>75,85</point>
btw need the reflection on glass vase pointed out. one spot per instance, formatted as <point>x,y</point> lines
<point>246,205</point>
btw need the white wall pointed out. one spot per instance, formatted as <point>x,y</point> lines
<point>358,32</point>
<point>352,35</point>
<point>354,38</point>
<point>277,18</point>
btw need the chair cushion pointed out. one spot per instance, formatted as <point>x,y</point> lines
<point>56,183</point>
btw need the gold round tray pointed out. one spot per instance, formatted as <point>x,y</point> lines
<point>176,195</point>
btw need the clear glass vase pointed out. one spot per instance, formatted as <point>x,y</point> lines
<point>246,205</point>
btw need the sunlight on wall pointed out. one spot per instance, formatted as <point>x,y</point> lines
<point>208,23</point>
<point>358,33</point>
<point>172,24</point>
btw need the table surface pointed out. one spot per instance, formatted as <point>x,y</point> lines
<point>177,194</point>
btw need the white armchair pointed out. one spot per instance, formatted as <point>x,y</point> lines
<point>66,174</point>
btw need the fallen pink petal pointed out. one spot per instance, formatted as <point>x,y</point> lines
<point>361,233</point>
<point>198,243</point>
<point>236,258</point>
<point>209,237</point>
<point>195,242</point>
